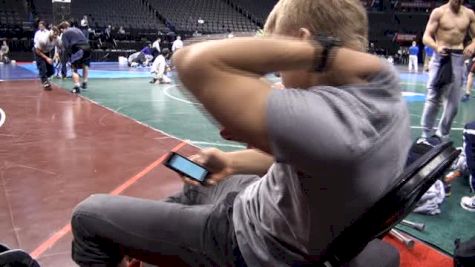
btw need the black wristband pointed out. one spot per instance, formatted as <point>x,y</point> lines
<point>327,44</point>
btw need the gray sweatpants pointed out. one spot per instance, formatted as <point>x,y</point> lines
<point>448,96</point>
<point>195,225</point>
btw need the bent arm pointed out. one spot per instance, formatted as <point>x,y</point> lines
<point>41,54</point>
<point>431,29</point>
<point>472,27</point>
<point>250,161</point>
<point>225,76</point>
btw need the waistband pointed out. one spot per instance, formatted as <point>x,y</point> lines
<point>455,51</point>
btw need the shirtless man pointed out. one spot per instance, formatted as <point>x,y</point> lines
<point>445,33</point>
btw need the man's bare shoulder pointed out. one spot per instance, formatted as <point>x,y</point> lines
<point>468,12</point>
<point>438,11</point>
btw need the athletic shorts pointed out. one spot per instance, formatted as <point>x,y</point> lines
<point>81,56</point>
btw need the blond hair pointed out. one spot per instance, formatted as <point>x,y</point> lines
<point>344,19</point>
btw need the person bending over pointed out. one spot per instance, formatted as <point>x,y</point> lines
<point>45,45</point>
<point>326,148</point>
<point>78,51</point>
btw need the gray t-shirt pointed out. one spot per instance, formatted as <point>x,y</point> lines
<point>337,149</point>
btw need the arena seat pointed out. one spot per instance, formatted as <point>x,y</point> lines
<point>217,15</point>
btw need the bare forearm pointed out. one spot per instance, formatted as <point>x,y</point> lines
<point>252,55</point>
<point>429,41</point>
<point>41,54</point>
<point>250,161</point>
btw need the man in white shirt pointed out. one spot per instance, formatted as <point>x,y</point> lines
<point>159,68</point>
<point>177,44</point>
<point>45,43</point>
<point>40,32</point>
<point>84,22</point>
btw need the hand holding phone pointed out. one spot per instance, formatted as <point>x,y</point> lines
<point>214,161</point>
<point>186,167</point>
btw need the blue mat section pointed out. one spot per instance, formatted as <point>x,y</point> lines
<point>106,71</point>
<point>10,72</point>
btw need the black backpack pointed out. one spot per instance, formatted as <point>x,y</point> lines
<point>464,255</point>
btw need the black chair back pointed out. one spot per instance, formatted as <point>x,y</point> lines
<point>393,207</point>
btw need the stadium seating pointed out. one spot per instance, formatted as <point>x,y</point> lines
<point>217,16</point>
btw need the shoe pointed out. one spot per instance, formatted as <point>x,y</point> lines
<point>430,141</point>
<point>47,85</point>
<point>76,90</point>
<point>84,86</point>
<point>153,81</point>
<point>434,140</point>
<point>468,203</point>
<point>465,97</point>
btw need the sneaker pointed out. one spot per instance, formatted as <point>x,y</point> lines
<point>430,141</point>
<point>47,86</point>
<point>434,140</point>
<point>76,90</point>
<point>153,81</point>
<point>84,85</point>
<point>468,203</point>
<point>465,97</point>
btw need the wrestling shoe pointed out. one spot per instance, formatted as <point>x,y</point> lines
<point>76,90</point>
<point>153,81</point>
<point>47,85</point>
<point>468,203</point>
<point>84,86</point>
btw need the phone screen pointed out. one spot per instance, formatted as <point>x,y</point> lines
<point>187,167</point>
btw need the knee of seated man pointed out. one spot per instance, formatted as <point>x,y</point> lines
<point>91,206</point>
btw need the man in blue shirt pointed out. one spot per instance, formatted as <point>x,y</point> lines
<point>413,61</point>
<point>427,57</point>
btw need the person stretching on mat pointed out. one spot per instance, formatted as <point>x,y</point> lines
<point>445,32</point>
<point>159,68</point>
<point>77,49</point>
<point>326,148</point>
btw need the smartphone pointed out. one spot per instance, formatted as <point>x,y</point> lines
<point>186,167</point>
